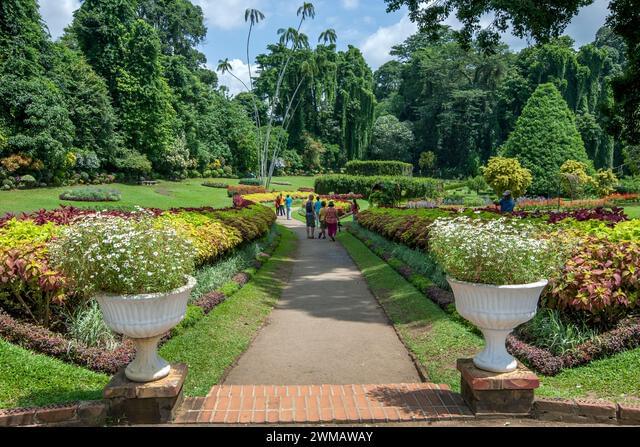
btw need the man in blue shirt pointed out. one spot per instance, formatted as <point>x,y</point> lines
<point>507,204</point>
<point>316,208</point>
<point>288,202</point>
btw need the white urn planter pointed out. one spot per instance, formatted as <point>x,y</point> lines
<point>496,311</point>
<point>145,318</point>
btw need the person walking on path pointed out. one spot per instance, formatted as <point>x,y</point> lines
<point>277,204</point>
<point>323,223</point>
<point>355,208</point>
<point>281,206</point>
<point>310,217</point>
<point>288,202</point>
<point>316,209</point>
<point>331,219</point>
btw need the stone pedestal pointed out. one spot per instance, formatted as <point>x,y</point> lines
<point>145,403</point>
<point>497,394</point>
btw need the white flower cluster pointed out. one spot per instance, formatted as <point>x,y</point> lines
<point>122,255</point>
<point>500,251</point>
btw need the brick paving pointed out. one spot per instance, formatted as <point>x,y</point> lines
<point>330,404</point>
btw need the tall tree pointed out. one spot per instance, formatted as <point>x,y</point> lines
<point>545,137</point>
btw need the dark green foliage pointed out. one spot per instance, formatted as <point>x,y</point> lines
<point>544,138</point>
<point>357,167</point>
<point>391,140</point>
<point>345,184</point>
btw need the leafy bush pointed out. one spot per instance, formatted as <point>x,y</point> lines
<point>375,168</point>
<point>574,178</point>
<point>411,188</point>
<point>122,256</point>
<point>600,281</point>
<point>496,252</point>
<point>87,326</point>
<point>91,195</point>
<point>250,182</point>
<point>551,330</point>
<point>28,285</point>
<point>208,237</point>
<point>506,174</point>
<point>20,233</point>
<point>605,182</point>
<point>629,185</point>
<point>28,181</point>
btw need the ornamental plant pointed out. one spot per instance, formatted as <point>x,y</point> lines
<point>498,252</point>
<point>122,256</point>
<point>506,174</point>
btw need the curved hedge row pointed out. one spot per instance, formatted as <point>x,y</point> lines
<point>358,167</point>
<point>345,184</point>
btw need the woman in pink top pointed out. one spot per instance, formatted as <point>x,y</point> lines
<point>331,219</point>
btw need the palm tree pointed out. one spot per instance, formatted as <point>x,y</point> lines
<point>328,36</point>
<point>307,10</point>
<point>224,66</point>
<point>254,16</point>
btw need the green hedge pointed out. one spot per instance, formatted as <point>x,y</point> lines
<point>344,184</point>
<point>357,167</point>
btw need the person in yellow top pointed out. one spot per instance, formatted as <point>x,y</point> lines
<point>323,224</point>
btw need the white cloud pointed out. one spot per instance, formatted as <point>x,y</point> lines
<point>57,14</point>
<point>226,14</point>
<point>377,46</point>
<point>241,70</point>
<point>350,4</point>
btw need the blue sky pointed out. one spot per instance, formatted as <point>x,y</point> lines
<point>363,23</point>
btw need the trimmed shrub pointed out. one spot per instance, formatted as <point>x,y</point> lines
<point>250,182</point>
<point>91,195</point>
<point>216,185</point>
<point>369,168</point>
<point>410,187</point>
<point>244,190</point>
<point>544,138</point>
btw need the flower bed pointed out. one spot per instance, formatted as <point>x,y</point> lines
<point>40,339</point>
<point>598,286</point>
<point>31,289</point>
<point>244,190</point>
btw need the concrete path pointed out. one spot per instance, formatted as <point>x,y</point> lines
<point>326,329</point>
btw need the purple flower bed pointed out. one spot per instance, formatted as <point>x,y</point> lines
<point>44,341</point>
<point>625,336</point>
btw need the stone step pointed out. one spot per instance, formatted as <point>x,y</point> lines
<point>303,404</point>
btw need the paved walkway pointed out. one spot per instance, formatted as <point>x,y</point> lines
<point>326,329</point>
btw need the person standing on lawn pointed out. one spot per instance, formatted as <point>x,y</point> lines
<point>323,223</point>
<point>288,202</point>
<point>331,219</point>
<point>310,217</point>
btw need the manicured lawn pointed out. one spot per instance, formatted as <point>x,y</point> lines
<point>213,344</point>
<point>633,211</point>
<point>188,193</point>
<point>28,379</point>
<point>437,339</point>
<point>614,378</point>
